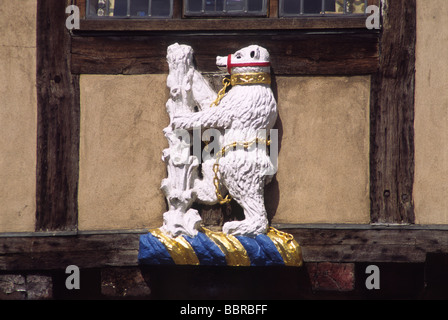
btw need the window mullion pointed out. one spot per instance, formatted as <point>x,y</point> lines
<point>286,8</point>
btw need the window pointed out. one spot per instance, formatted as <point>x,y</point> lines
<point>130,8</point>
<point>225,7</point>
<point>313,7</point>
<point>219,8</point>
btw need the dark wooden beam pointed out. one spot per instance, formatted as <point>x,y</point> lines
<point>58,121</point>
<point>229,24</point>
<point>292,53</point>
<point>273,9</point>
<point>82,7</point>
<point>177,9</point>
<point>335,243</point>
<point>392,117</point>
<point>368,245</point>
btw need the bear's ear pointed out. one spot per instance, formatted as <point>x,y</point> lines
<point>255,53</point>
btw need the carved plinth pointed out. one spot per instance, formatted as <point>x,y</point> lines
<point>220,249</point>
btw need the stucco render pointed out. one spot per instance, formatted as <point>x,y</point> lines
<point>323,159</point>
<point>18,115</point>
<point>431,113</point>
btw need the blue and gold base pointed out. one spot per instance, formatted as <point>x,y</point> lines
<point>219,249</point>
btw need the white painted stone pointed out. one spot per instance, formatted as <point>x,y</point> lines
<point>244,113</point>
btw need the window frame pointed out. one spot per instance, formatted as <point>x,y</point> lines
<point>268,5</point>
<point>321,14</point>
<point>224,13</point>
<point>128,16</point>
<point>180,22</point>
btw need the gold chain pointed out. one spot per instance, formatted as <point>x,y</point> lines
<point>251,78</point>
<point>222,153</point>
<point>222,92</point>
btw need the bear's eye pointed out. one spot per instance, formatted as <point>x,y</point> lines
<point>252,54</point>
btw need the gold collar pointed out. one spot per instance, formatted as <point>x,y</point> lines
<point>242,79</point>
<point>250,78</point>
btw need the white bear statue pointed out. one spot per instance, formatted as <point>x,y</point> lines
<point>244,116</point>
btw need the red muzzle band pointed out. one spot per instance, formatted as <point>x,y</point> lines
<point>231,65</point>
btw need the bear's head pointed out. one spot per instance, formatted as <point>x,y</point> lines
<point>249,59</point>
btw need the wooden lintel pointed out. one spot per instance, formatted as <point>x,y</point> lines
<point>341,243</point>
<point>292,53</point>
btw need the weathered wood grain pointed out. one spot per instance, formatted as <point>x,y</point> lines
<point>273,9</point>
<point>292,53</point>
<point>56,252</point>
<point>319,244</point>
<point>58,121</point>
<point>228,24</point>
<point>82,7</point>
<point>392,117</point>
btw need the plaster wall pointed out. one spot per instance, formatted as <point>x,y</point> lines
<point>323,174</point>
<point>122,118</point>
<point>18,115</point>
<point>431,113</point>
<point>323,160</point>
